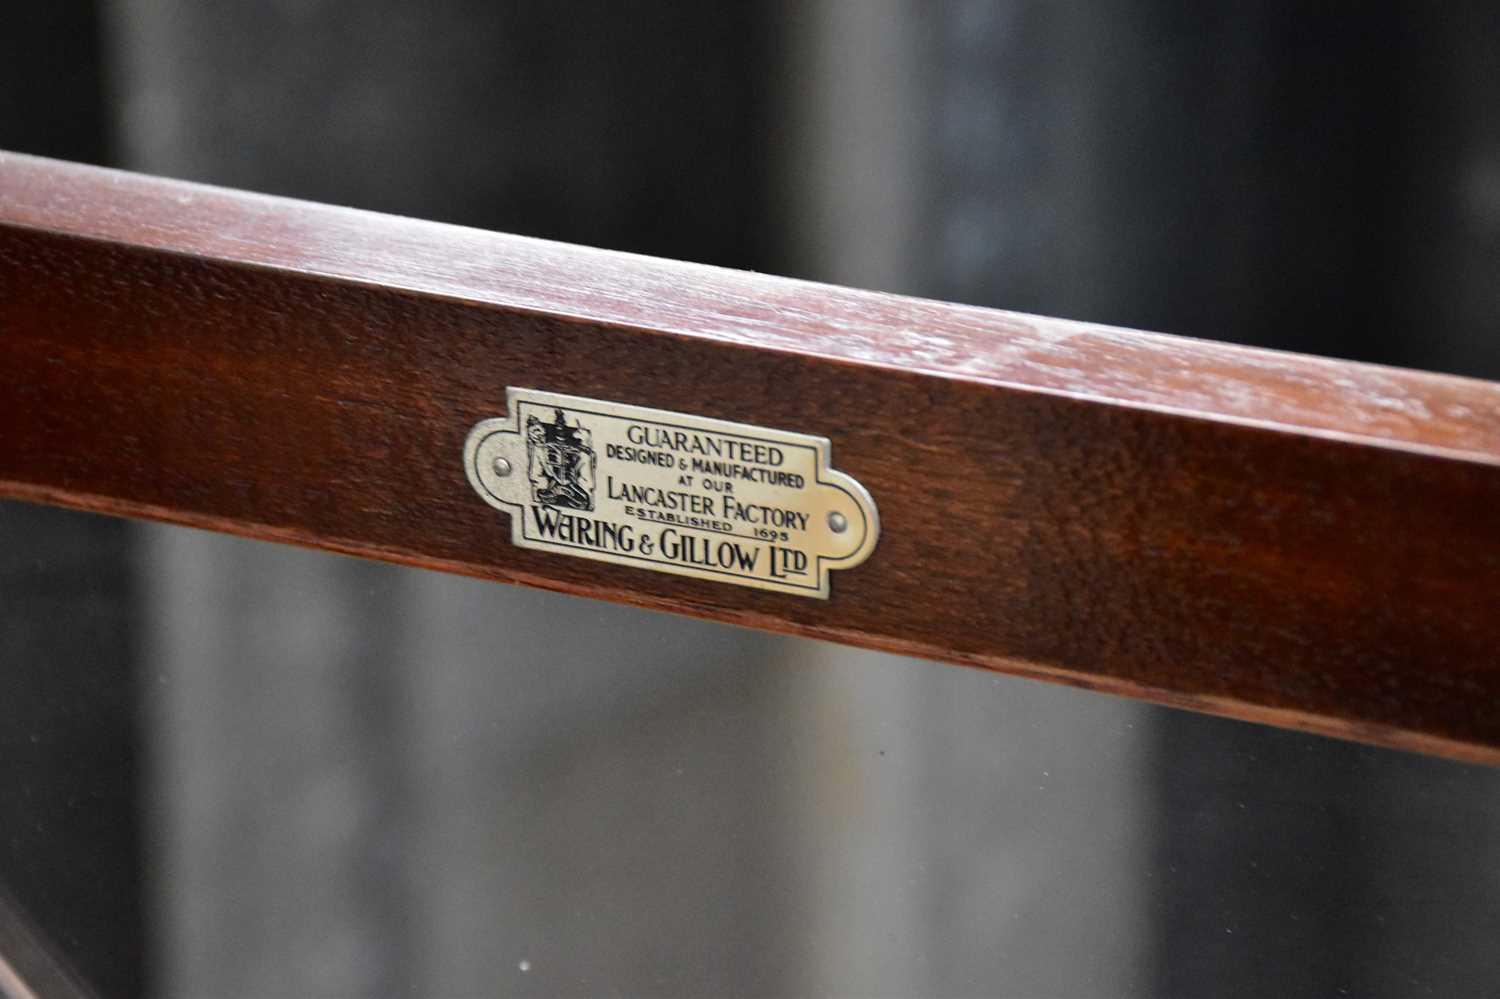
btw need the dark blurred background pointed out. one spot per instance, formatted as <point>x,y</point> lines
<point>231,769</point>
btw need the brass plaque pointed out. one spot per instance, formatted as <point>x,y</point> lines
<point>671,492</point>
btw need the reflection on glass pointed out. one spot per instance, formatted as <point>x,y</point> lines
<point>355,779</point>
<point>371,779</point>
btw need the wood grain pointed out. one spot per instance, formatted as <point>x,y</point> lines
<point>1287,539</point>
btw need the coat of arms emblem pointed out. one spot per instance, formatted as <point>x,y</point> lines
<point>561,462</point>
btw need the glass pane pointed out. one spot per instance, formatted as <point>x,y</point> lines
<point>236,769</point>
<point>232,768</point>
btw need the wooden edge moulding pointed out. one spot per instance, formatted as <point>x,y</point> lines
<point>1280,538</point>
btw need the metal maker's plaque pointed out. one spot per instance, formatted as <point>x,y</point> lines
<point>671,492</point>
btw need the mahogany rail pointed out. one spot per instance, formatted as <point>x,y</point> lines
<point>1287,539</point>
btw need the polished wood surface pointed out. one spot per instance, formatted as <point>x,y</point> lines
<point>1287,539</point>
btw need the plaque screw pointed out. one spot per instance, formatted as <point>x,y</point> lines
<point>837,522</point>
<point>501,467</point>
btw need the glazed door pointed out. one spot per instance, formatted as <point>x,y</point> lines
<point>825,736</point>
